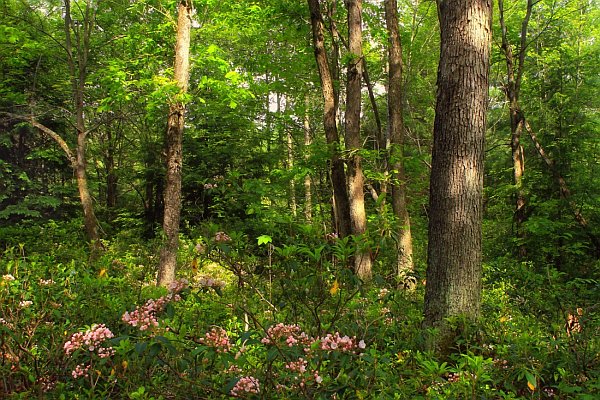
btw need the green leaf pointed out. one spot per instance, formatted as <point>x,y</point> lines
<point>264,239</point>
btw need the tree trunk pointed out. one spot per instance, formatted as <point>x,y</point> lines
<point>356,194</point>
<point>512,90</point>
<point>338,176</point>
<point>405,263</point>
<point>456,186</point>
<point>307,179</point>
<point>174,141</point>
<point>290,162</point>
<point>77,61</point>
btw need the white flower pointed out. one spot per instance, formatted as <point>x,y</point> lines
<point>25,303</point>
<point>8,277</point>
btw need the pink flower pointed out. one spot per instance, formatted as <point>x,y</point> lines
<point>217,338</point>
<point>246,384</point>
<point>222,237</point>
<point>80,370</point>
<point>178,285</point>
<point>90,339</point>
<point>293,335</point>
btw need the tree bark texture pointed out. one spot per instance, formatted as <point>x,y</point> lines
<point>338,175</point>
<point>356,193</point>
<point>455,216</point>
<point>174,143</point>
<point>396,133</point>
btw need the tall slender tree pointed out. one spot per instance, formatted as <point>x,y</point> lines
<point>356,193</point>
<point>514,73</point>
<point>338,174</point>
<point>396,135</point>
<point>174,144</point>
<point>456,186</point>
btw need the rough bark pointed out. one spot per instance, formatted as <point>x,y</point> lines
<point>405,263</point>
<point>356,194</point>
<point>456,186</point>
<point>338,175</point>
<point>174,142</point>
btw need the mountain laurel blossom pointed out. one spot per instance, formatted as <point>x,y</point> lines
<point>145,317</point>
<point>246,384</point>
<point>221,237</point>
<point>217,338</point>
<point>91,340</point>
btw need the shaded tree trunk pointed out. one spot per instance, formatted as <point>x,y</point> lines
<point>456,186</point>
<point>405,263</point>
<point>338,175</point>
<point>356,194</point>
<point>512,90</point>
<point>77,60</point>
<point>174,142</point>
<point>307,178</point>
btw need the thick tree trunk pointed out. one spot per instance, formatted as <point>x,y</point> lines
<point>174,141</point>
<point>338,175</point>
<point>405,263</point>
<point>356,193</point>
<point>456,186</point>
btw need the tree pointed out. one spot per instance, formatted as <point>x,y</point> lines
<point>356,194</point>
<point>77,48</point>
<point>338,175</point>
<point>514,71</point>
<point>174,145</point>
<point>455,214</point>
<point>396,134</point>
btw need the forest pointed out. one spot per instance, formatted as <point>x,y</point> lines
<point>285,199</point>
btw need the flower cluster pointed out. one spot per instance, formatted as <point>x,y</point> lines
<point>80,370</point>
<point>297,366</point>
<point>177,286</point>
<point>301,373</point>
<point>382,293</point>
<point>144,317</point>
<point>293,335</point>
<point>221,237</point>
<point>91,339</point>
<point>217,338</point>
<point>210,282</point>
<point>342,343</point>
<point>208,186</point>
<point>246,384</point>
<point>8,277</point>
